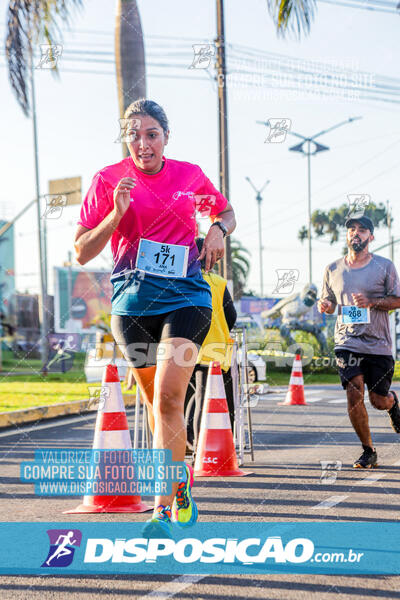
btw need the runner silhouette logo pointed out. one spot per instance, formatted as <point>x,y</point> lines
<point>62,547</point>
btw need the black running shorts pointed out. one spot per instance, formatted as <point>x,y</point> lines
<point>138,337</point>
<point>377,369</point>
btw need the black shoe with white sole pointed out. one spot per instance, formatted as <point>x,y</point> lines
<point>367,460</point>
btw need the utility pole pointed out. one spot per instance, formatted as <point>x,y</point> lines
<point>260,247</point>
<point>223,131</point>
<point>42,258</point>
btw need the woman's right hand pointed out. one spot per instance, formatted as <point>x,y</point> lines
<point>122,197</point>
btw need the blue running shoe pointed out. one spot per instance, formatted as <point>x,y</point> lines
<point>159,526</point>
<point>184,509</point>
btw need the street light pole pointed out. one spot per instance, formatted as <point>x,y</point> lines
<point>312,148</point>
<point>42,258</point>
<point>309,214</point>
<point>260,247</point>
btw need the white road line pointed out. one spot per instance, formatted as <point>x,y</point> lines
<point>175,586</point>
<point>333,500</point>
<point>338,401</point>
<point>371,478</point>
<point>311,400</point>
<point>24,429</point>
<point>329,502</point>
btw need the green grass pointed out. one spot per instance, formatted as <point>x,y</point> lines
<point>13,364</point>
<point>283,378</point>
<point>15,395</point>
<point>19,394</point>
<point>29,391</point>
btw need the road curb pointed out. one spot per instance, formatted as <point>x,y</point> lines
<point>64,409</point>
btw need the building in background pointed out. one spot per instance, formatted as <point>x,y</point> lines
<point>7,275</point>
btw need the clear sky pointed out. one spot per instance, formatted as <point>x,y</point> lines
<point>78,112</point>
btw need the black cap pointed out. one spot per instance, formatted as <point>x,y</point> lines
<point>364,221</point>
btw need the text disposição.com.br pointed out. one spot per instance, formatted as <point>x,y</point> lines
<point>213,550</point>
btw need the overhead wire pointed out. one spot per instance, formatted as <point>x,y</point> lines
<point>376,6</point>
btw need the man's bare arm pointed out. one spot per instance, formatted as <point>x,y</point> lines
<point>326,306</point>
<point>387,303</point>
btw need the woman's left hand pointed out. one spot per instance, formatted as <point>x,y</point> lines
<point>213,247</point>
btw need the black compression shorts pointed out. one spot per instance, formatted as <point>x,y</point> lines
<point>138,337</point>
<point>377,369</point>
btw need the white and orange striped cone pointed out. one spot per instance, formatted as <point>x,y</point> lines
<point>216,455</point>
<point>111,433</point>
<point>295,393</point>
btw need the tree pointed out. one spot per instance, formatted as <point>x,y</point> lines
<point>329,224</point>
<point>30,21</point>
<point>292,15</point>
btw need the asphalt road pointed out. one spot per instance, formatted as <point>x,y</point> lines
<point>290,442</point>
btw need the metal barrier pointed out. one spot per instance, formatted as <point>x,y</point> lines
<point>241,395</point>
<point>146,437</point>
<point>243,432</point>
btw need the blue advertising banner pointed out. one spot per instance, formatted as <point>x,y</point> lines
<point>210,548</point>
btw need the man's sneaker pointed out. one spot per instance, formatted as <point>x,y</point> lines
<point>394,413</point>
<point>367,460</point>
<point>184,509</point>
<point>159,526</point>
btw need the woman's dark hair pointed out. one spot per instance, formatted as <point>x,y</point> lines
<point>150,108</point>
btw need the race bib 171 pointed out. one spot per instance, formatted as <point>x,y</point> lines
<point>165,260</point>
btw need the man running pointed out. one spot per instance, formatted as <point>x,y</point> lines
<point>364,287</point>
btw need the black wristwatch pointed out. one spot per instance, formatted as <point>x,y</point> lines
<point>221,226</point>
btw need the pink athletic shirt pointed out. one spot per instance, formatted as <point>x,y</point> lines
<point>163,208</point>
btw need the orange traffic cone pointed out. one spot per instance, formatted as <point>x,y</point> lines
<point>295,393</point>
<point>111,433</point>
<point>216,455</point>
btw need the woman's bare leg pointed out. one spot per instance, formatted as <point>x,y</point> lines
<point>172,378</point>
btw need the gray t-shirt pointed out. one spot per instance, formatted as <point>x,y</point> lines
<point>377,279</point>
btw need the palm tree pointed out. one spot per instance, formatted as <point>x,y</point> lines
<point>29,21</point>
<point>292,15</point>
<point>240,267</point>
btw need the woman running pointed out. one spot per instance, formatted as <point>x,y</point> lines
<point>161,305</point>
